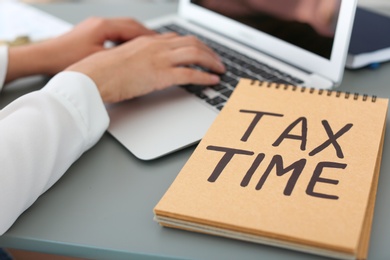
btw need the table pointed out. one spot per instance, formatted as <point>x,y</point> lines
<point>102,207</point>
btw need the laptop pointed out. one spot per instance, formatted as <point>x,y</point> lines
<point>265,40</point>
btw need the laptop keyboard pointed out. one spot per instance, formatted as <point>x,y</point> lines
<point>237,66</point>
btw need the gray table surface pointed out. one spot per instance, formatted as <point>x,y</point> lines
<point>102,207</point>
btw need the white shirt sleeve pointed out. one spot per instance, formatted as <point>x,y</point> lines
<point>41,135</point>
<point>3,64</point>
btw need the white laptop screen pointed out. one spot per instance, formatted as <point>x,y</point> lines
<point>307,24</point>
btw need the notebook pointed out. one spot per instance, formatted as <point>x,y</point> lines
<point>266,41</point>
<point>31,23</point>
<point>282,166</point>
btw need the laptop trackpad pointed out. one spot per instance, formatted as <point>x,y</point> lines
<point>159,123</point>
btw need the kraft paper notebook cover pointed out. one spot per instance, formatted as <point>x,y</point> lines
<point>285,166</point>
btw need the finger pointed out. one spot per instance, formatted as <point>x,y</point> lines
<point>195,56</point>
<point>168,35</point>
<point>183,76</point>
<point>124,29</point>
<point>158,39</point>
<point>182,41</point>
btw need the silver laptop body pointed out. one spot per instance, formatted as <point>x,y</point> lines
<point>166,121</point>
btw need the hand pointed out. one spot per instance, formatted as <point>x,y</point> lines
<point>89,37</point>
<point>54,55</point>
<point>150,63</point>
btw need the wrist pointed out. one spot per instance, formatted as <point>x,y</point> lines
<point>28,60</point>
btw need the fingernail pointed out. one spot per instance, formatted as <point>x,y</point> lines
<point>215,78</point>
<point>221,66</point>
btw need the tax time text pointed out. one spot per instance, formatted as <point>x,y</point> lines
<point>300,125</point>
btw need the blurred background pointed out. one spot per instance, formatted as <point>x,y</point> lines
<point>381,5</point>
<point>376,3</point>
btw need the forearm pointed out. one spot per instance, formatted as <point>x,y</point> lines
<point>28,60</point>
<point>41,135</point>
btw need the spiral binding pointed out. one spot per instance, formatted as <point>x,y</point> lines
<point>303,89</point>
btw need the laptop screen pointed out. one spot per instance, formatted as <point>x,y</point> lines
<point>308,24</point>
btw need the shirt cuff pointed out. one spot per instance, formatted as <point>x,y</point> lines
<point>3,64</point>
<point>79,94</point>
